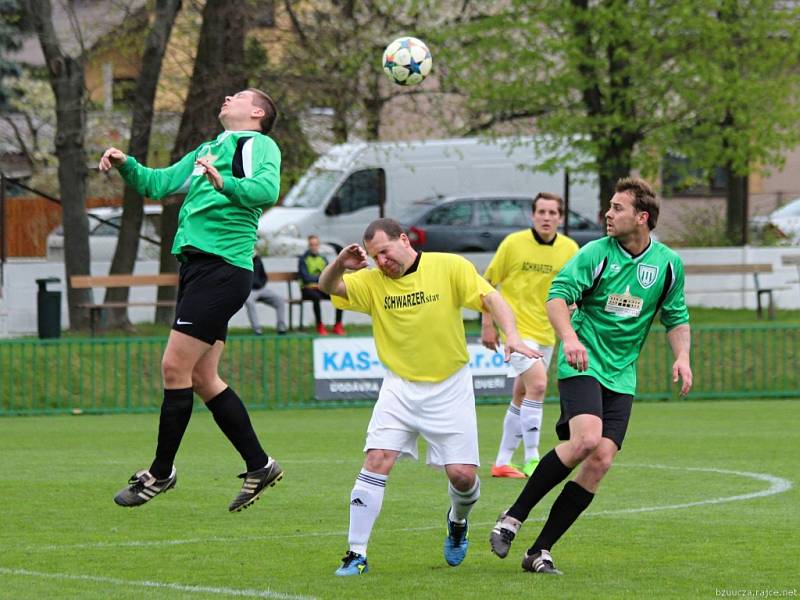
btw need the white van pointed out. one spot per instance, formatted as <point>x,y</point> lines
<point>347,187</point>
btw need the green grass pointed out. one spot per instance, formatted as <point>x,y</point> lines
<point>60,525</point>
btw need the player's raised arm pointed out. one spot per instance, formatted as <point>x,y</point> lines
<point>504,317</point>
<point>351,258</point>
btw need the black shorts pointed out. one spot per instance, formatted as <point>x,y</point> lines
<point>210,292</point>
<point>584,395</point>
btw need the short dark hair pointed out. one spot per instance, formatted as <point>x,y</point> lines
<point>549,196</point>
<point>390,227</point>
<point>262,100</point>
<point>644,198</point>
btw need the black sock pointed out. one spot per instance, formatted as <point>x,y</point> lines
<point>231,416</point>
<point>571,502</point>
<point>176,410</point>
<point>548,474</point>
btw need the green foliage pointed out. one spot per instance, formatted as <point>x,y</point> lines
<point>626,80</point>
<point>62,537</point>
<point>12,25</point>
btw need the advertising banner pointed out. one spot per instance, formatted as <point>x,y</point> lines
<point>349,368</point>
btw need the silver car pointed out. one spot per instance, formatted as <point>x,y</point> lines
<point>480,223</point>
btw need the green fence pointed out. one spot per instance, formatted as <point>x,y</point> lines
<point>103,375</point>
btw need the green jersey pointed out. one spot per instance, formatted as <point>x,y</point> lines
<point>618,296</point>
<point>221,222</point>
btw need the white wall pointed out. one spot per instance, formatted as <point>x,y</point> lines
<point>19,290</point>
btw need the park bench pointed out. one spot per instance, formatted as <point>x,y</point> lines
<point>106,281</point>
<point>118,281</point>
<point>740,269</point>
<point>291,278</point>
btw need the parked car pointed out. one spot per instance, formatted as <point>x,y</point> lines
<point>783,223</point>
<point>103,235</point>
<point>479,223</point>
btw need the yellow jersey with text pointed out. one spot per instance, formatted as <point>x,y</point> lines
<point>416,319</point>
<point>523,268</point>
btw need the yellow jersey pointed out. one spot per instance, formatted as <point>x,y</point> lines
<point>416,319</point>
<point>523,268</point>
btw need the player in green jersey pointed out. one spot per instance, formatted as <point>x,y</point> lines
<point>228,182</point>
<point>619,284</point>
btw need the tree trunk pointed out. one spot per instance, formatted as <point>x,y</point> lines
<point>373,105</point>
<point>144,97</point>
<point>66,76</point>
<point>737,207</point>
<point>218,71</point>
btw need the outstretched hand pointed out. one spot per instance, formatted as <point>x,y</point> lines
<point>517,345</point>
<point>352,258</point>
<point>111,158</point>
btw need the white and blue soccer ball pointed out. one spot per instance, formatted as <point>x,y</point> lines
<point>407,61</point>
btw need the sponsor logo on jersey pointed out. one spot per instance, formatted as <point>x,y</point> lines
<point>624,305</point>
<point>615,268</point>
<point>408,300</point>
<point>646,274</point>
<point>537,267</point>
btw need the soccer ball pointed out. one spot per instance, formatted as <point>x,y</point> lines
<point>407,61</point>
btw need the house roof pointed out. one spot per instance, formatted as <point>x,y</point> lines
<point>93,19</point>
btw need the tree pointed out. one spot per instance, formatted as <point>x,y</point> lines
<point>745,95</point>
<point>218,71</point>
<point>611,85</point>
<point>11,27</point>
<point>142,108</point>
<point>66,74</point>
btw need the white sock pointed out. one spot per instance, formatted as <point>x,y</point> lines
<point>512,434</point>
<point>461,503</point>
<point>530,418</point>
<point>365,505</point>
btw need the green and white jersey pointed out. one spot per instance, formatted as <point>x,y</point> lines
<point>218,222</point>
<point>618,296</point>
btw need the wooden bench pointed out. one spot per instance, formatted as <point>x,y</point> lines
<point>741,269</point>
<point>118,281</point>
<point>290,277</point>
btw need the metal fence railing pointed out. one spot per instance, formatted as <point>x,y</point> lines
<point>105,375</point>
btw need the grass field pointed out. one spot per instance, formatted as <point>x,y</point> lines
<point>703,502</point>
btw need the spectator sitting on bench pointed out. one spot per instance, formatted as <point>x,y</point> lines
<point>310,265</point>
<point>261,293</point>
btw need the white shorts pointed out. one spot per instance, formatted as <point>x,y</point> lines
<point>519,363</point>
<point>443,413</point>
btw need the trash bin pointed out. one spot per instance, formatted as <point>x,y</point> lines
<point>49,309</point>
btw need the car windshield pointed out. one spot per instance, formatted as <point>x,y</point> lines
<point>413,213</point>
<point>790,210</point>
<point>312,189</point>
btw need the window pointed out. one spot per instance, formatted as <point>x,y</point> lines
<point>361,190</point>
<point>503,213</point>
<point>681,178</point>
<point>454,213</point>
<point>124,90</point>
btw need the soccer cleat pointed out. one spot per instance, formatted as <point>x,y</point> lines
<point>529,467</point>
<point>507,471</point>
<point>321,329</point>
<point>353,564</point>
<point>503,533</point>
<point>143,487</point>
<point>255,482</point>
<point>338,329</point>
<point>456,543</point>
<point>540,562</point>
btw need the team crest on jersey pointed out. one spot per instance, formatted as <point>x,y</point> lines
<point>647,275</point>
